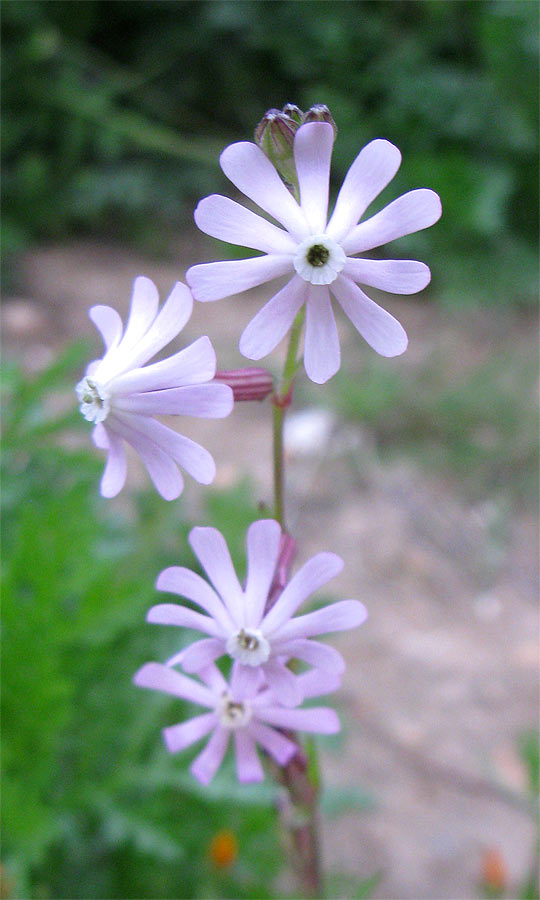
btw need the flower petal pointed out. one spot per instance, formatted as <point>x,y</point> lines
<point>409,213</point>
<point>143,310</point>
<point>322,656</point>
<point>276,744</point>
<point>227,220</point>
<point>316,572</point>
<point>283,683</point>
<point>170,320</point>
<point>263,543</point>
<point>318,719</point>
<point>201,654</point>
<point>274,320</point>
<point>211,549</point>
<point>187,453</point>
<point>114,475</point>
<point>206,764</point>
<point>182,616</point>
<point>372,170</point>
<point>194,364</point>
<point>214,679</point>
<point>380,329</point>
<point>398,276</point>
<point>317,682</point>
<point>99,436</point>
<point>245,680</point>
<point>321,344</point>
<point>188,584</point>
<point>160,465</point>
<point>252,173</point>
<point>211,401</point>
<point>109,323</point>
<point>178,737</point>
<point>338,616</point>
<point>248,764</point>
<point>160,678</point>
<point>215,280</point>
<point>313,144</point>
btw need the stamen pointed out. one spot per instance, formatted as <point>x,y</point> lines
<point>232,713</point>
<point>249,647</point>
<point>247,641</point>
<point>93,399</point>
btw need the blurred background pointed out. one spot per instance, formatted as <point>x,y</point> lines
<point>421,471</point>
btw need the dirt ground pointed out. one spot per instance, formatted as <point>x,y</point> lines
<point>442,679</point>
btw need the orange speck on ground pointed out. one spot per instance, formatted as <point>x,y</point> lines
<point>223,849</point>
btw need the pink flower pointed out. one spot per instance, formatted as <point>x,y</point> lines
<point>121,394</point>
<point>240,624</point>
<point>245,709</point>
<point>319,255</point>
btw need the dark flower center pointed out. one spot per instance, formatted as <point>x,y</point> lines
<point>318,255</point>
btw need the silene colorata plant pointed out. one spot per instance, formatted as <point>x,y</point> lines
<point>256,697</point>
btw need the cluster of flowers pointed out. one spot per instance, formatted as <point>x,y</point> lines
<point>253,625</point>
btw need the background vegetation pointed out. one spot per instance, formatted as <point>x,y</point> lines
<point>114,113</point>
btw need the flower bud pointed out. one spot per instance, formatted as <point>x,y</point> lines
<point>294,112</point>
<point>275,136</point>
<point>251,383</point>
<point>320,113</point>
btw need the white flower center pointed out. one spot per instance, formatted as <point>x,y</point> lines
<point>233,714</point>
<point>93,399</point>
<point>319,259</point>
<point>249,647</point>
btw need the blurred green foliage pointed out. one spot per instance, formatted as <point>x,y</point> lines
<point>114,114</point>
<point>92,804</point>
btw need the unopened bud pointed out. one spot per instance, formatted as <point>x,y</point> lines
<point>320,113</point>
<point>251,383</point>
<point>294,112</point>
<point>275,136</point>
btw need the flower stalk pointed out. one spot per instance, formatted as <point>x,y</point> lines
<point>299,809</point>
<point>281,400</point>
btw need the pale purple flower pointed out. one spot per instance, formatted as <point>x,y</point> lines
<point>246,709</point>
<point>238,621</point>
<point>319,255</point>
<point>121,394</point>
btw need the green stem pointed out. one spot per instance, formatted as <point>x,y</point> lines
<point>299,776</point>
<point>281,401</point>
